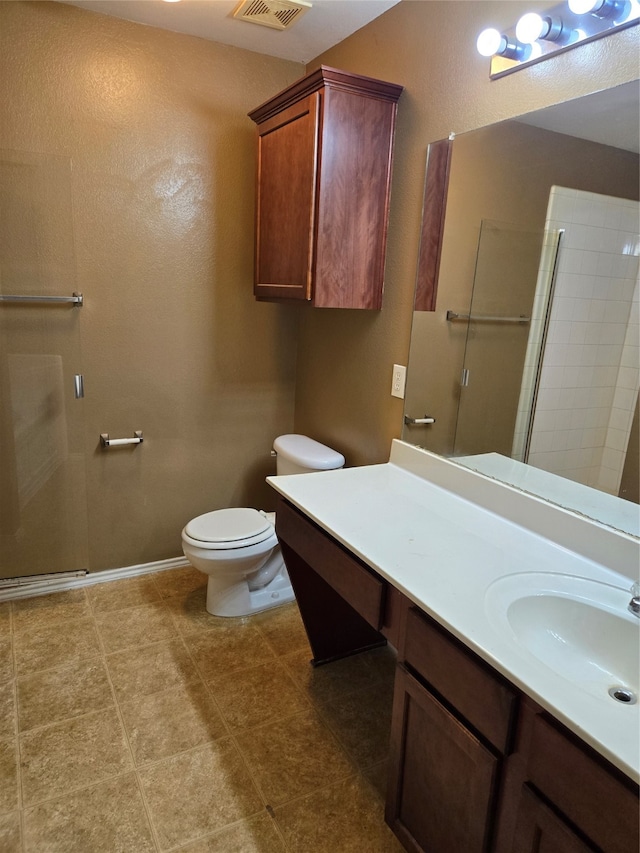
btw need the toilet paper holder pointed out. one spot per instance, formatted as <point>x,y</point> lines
<point>418,421</point>
<point>107,442</point>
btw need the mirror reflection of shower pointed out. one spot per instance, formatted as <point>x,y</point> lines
<point>580,370</point>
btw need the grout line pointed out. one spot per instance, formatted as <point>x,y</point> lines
<point>145,805</point>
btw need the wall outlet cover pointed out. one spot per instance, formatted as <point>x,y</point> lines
<point>398,381</point>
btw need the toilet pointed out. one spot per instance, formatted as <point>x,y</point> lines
<point>238,549</point>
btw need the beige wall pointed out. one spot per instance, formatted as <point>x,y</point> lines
<point>162,185</point>
<point>345,358</point>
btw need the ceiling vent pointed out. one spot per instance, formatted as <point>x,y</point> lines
<point>278,14</point>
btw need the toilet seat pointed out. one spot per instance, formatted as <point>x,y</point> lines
<point>229,528</point>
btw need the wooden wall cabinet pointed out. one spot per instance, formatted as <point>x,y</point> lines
<point>323,184</point>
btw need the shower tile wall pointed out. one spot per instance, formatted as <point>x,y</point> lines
<point>590,373</point>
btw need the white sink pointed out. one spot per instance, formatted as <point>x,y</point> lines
<point>579,628</point>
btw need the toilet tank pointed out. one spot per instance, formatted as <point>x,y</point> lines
<point>298,454</point>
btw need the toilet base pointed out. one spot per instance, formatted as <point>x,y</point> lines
<point>238,600</point>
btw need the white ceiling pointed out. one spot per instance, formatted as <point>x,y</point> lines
<point>324,25</point>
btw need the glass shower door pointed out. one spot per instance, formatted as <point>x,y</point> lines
<point>43,506</point>
<point>499,320</point>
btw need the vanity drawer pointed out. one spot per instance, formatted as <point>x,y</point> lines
<point>478,694</point>
<point>583,787</point>
<point>350,578</point>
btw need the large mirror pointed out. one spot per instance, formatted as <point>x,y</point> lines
<point>530,361</point>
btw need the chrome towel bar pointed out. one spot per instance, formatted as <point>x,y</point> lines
<point>485,318</point>
<point>107,442</point>
<point>76,299</point>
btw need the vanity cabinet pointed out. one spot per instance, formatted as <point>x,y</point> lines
<point>475,765</point>
<point>452,723</point>
<point>345,607</point>
<point>560,795</point>
<point>323,184</point>
<point>442,777</point>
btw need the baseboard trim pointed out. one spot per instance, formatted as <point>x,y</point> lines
<point>34,585</point>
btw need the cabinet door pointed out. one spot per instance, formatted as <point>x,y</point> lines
<point>287,165</point>
<point>442,778</point>
<point>541,830</point>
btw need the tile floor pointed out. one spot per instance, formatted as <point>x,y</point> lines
<point>131,720</point>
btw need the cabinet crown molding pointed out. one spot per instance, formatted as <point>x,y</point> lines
<point>325,76</point>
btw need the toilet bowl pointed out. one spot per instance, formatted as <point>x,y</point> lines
<point>237,548</point>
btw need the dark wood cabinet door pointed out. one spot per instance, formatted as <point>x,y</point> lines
<point>353,200</point>
<point>442,778</point>
<point>540,830</point>
<point>286,201</point>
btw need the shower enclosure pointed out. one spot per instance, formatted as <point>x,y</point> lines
<point>43,506</point>
<point>551,369</point>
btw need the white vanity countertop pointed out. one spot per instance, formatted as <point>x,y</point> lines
<point>442,535</point>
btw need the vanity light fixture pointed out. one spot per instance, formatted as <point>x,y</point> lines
<point>537,36</point>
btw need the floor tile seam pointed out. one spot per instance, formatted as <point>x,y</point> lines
<point>353,774</point>
<point>67,719</point>
<point>147,811</point>
<point>10,612</point>
<point>121,701</point>
<point>17,759</point>
<point>227,671</point>
<point>136,646</point>
<point>165,596</point>
<point>134,763</point>
<point>50,623</point>
<point>14,667</point>
<point>145,805</point>
<point>298,688</point>
<point>285,718</point>
<point>63,624</point>
<point>351,756</point>
<point>199,679</point>
<point>23,832</point>
<point>353,770</point>
<point>31,672</point>
<point>98,656</point>
<point>122,607</point>
<point>27,806</point>
<point>350,695</point>
<point>184,845</point>
<point>277,653</point>
<point>258,625</point>
<point>16,629</point>
<point>271,721</point>
<point>178,638</point>
<point>73,719</point>
<point>256,788</point>
<point>252,776</point>
<point>12,683</point>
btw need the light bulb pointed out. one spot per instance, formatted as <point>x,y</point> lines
<point>489,42</point>
<point>530,27</point>
<point>583,7</point>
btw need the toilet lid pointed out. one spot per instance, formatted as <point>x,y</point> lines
<point>229,525</point>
